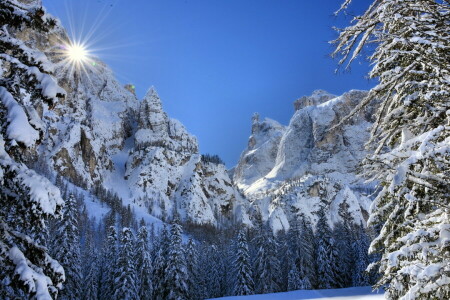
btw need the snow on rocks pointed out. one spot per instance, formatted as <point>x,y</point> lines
<point>290,171</point>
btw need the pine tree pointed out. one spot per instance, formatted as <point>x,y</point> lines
<point>66,249</point>
<point>326,277</point>
<point>345,238</point>
<point>361,249</point>
<point>306,265</point>
<point>144,265</point>
<point>125,279</point>
<point>212,273</point>
<point>176,280</point>
<point>27,199</point>
<point>160,265</point>
<point>90,281</point>
<point>266,265</point>
<point>294,280</point>
<point>409,140</point>
<point>108,263</point>
<point>194,281</point>
<point>346,257</point>
<point>89,258</point>
<point>243,284</point>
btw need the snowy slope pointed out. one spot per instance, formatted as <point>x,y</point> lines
<point>102,135</point>
<point>355,293</point>
<point>290,171</point>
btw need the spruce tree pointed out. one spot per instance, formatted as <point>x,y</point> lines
<point>409,140</point>
<point>346,254</point>
<point>361,248</point>
<point>126,279</point>
<point>176,275</point>
<point>89,258</point>
<point>90,281</point>
<point>306,264</point>
<point>66,249</point>
<point>326,277</point>
<point>344,233</point>
<point>266,265</point>
<point>160,290</point>
<point>243,283</point>
<point>294,280</point>
<point>27,199</point>
<point>144,265</point>
<point>108,263</point>
<point>194,280</point>
<point>212,273</point>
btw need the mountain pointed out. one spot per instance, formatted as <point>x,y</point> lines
<point>286,172</point>
<point>102,137</point>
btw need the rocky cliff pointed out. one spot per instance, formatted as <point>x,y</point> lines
<point>101,135</point>
<point>295,170</point>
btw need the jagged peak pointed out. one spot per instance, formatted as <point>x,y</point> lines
<point>152,97</point>
<point>316,98</point>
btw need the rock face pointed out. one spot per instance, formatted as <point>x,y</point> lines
<point>101,135</point>
<point>165,173</point>
<point>260,157</point>
<point>293,171</point>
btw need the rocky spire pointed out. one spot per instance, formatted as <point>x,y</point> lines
<point>153,100</point>
<point>255,123</point>
<point>151,113</point>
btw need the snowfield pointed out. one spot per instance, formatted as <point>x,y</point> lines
<point>363,293</point>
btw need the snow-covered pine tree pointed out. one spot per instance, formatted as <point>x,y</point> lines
<point>176,274</point>
<point>283,257</point>
<point>212,272</point>
<point>243,282</point>
<point>89,259</point>
<point>90,281</point>
<point>108,262</point>
<point>361,246</point>
<point>125,280</point>
<point>144,265</point>
<point>194,281</point>
<point>266,265</point>
<point>294,280</point>
<point>326,276</point>
<point>346,257</point>
<point>27,199</point>
<point>66,249</point>
<point>306,266</point>
<point>410,140</point>
<point>160,289</point>
<point>344,235</point>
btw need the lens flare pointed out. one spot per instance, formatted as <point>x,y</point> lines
<point>77,53</point>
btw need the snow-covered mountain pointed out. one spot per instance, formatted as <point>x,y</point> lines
<point>101,135</point>
<point>296,170</point>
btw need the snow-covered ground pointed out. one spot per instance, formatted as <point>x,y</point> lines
<point>354,293</point>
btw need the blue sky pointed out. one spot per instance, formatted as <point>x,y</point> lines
<point>214,63</point>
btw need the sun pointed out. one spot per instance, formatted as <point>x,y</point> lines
<point>76,53</point>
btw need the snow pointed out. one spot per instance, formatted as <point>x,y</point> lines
<point>36,281</point>
<point>19,129</point>
<point>355,293</point>
<point>283,167</point>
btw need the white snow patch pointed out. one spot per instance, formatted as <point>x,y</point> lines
<point>354,293</point>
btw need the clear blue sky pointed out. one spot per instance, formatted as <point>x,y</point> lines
<point>214,63</point>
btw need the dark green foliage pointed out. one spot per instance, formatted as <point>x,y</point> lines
<point>243,282</point>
